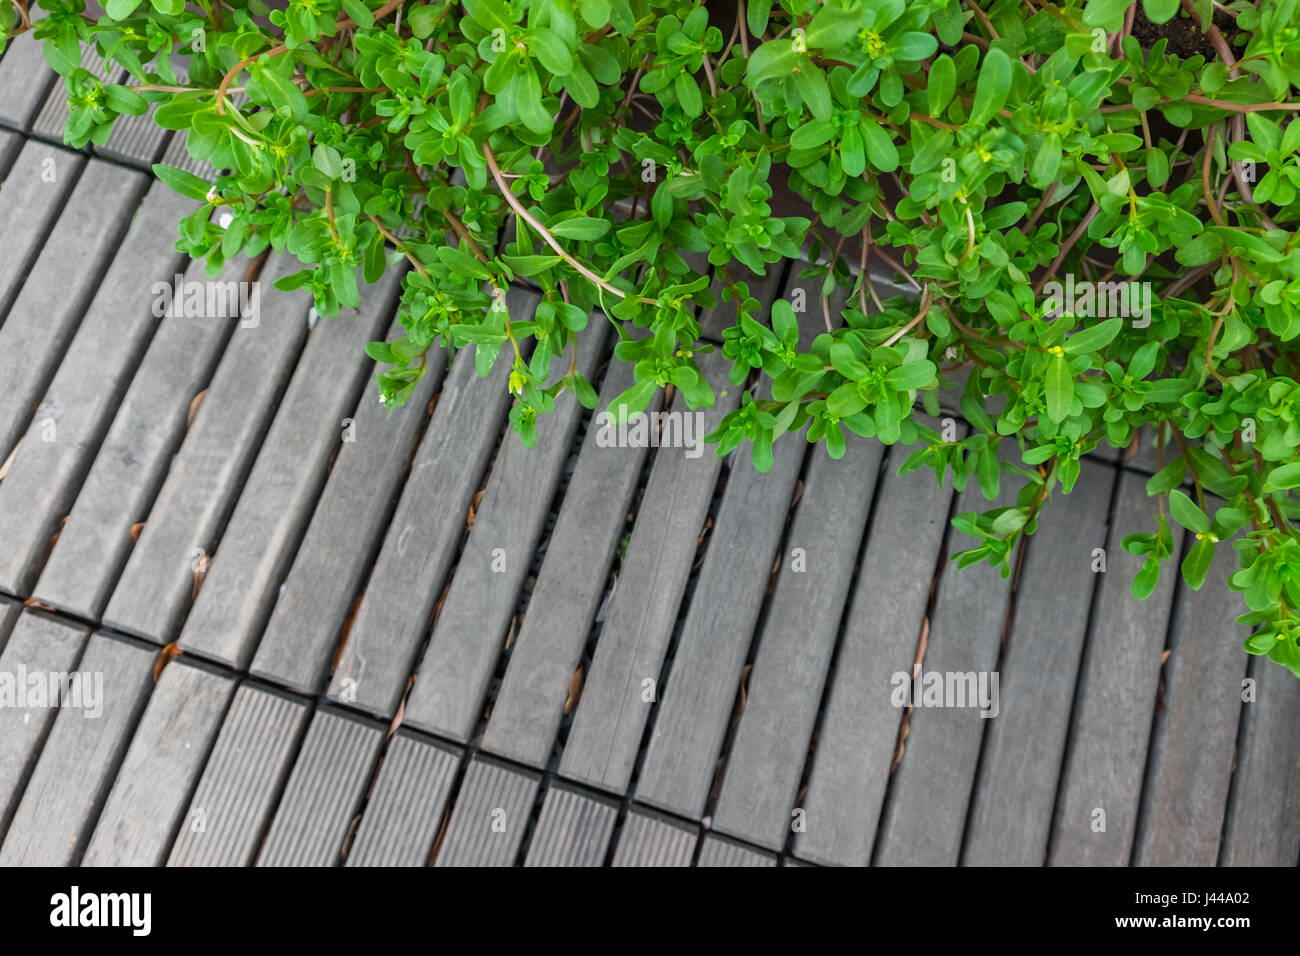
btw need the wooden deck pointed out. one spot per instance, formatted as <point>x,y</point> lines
<point>418,642</point>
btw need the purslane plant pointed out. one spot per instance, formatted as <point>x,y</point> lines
<point>1098,229</point>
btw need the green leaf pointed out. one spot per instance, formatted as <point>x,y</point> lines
<point>528,101</point>
<point>1187,513</point>
<point>1106,13</point>
<point>327,160</point>
<point>551,51</point>
<point>992,88</point>
<point>187,184</point>
<point>911,375</point>
<point>120,9</point>
<point>1283,477</point>
<point>880,147</point>
<point>1197,563</point>
<point>583,228</point>
<point>1147,578</point>
<point>688,94</point>
<point>359,13</point>
<point>1093,339</point>
<point>489,14</point>
<point>1060,388</point>
<point>1160,11</point>
<point>942,84</point>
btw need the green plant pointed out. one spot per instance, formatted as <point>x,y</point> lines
<point>997,156</point>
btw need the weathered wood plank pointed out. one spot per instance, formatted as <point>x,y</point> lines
<point>491,813</point>
<point>606,733</point>
<point>855,744</point>
<point>31,198</point>
<point>340,544</point>
<point>324,792</point>
<point>925,809</point>
<point>154,593</point>
<point>282,489</point>
<point>242,780</point>
<point>54,296</point>
<point>79,403</point>
<point>1263,827</point>
<point>406,808</point>
<point>81,756</point>
<point>1107,752</point>
<point>1195,737</point>
<point>1015,794</point>
<point>10,145</point>
<point>697,697</point>
<point>447,698</point>
<point>25,82</point>
<point>795,648</point>
<point>148,426</point>
<point>427,527</point>
<point>9,611</point>
<point>530,703</point>
<point>719,851</point>
<point>573,830</point>
<point>145,807</point>
<point>649,839</point>
<point>39,644</point>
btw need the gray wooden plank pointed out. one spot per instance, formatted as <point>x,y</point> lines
<point>491,813</point>
<point>329,568</point>
<point>925,810</point>
<point>698,694</point>
<point>1194,740</point>
<point>648,839</point>
<point>79,403</point>
<point>1263,826</point>
<point>53,299</point>
<point>31,198</point>
<point>794,651</point>
<point>10,145</point>
<point>859,731</point>
<point>154,593</point>
<point>447,698</point>
<point>548,648</point>
<point>719,851</point>
<point>405,811</point>
<point>282,489</point>
<point>242,780</point>
<point>607,730</point>
<point>25,82</point>
<point>573,829</point>
<point>1015,793</point>
<point>81,756</point>
<point>39,645</point>
<point>144,810</point>
<point>426,529</point>
<point>9,611</point>
<point>1107,752</point>
<point>324,792</point>
<point>147,428</point>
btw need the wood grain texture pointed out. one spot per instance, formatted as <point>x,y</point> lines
<point>447,698</point>
<point>324,792</point>
<point>794,651</point>
<point>242,781</point>
<point>405,809</point>
<point>346,528</point>
<point>491,812</point>
<point>925,810</point>
<point>1194,740</point>
<point>81,756</point>
<point>80,400</point>
<point>184,526</point>
<point>54,296</point>
<point>168,750</point>
<point>573,829</point>
<point>855,745</point>
<point>282,489</point>
<point>31,198</point>
<point>1111,729</point>
<point>718,851</point>
<point>1015,793</point>
<point>39,644</point>
<point>611,716</point>
<point>1263,826</point>
<point>133,458</point>
<point>547,651</point>
<point>426,529</point>
<point>650,839</point>
<point>25,82</point>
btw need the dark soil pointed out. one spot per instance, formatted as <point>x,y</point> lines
<point>1184,35</point>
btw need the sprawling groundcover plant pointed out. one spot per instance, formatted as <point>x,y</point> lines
<point>1093,203</point>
